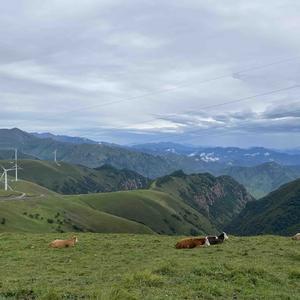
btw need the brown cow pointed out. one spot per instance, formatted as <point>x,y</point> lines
<point>64,243</point>
<point>189,243</point>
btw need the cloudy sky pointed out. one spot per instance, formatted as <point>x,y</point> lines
<point>197,72</point>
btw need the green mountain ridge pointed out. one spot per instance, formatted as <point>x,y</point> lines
<point>218,198</point>
<point>76,179</point>
<point>277,213</point>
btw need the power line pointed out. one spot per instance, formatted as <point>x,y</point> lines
<point>228,102</point>
<point>184,83</point>
<point>225,103</point>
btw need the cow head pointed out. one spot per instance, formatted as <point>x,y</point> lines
<point>225,236</point>
<point>206,241</point>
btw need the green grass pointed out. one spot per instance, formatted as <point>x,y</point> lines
<point>140,211</point>
<point>5,194</point>
<point>123,266</point>
<point>159,211</point>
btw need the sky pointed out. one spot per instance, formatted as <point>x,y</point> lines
<point>222,73</point>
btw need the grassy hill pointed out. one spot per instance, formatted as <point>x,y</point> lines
<point>42,210</point>
<point>218,198</point>
<point>263,179</point>
<point>111,267</point>
<point>159,211</point>
<point>32,208</point>
<point>74,179</point>
<point>277,213</point>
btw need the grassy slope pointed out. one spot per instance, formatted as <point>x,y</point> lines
<point>159,211</point>
<point>46,211</point>
<point>133,211</point>
<point>110,266</point>
<point>277,213</point>
<point>74,179</point>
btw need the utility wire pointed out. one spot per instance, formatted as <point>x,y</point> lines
<point>225,103</point>
<point>183,84</point>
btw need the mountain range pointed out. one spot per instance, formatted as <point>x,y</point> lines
<point>149,160</point>
<point>90,155</point>
<point>179,203</point>
<point>152,187</point>
<point>222,156</point>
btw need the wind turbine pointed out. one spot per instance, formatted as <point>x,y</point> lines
<point>55,157</point>
<point>4,174</point>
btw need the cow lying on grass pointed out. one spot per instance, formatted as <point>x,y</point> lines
<point>296,237</point>
<point>64,243</point>
<point>213,240</point>
<point>189,243</point>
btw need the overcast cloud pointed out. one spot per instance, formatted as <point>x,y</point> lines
<point>136,71</point>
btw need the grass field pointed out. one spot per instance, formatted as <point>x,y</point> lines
<point>123,266</point>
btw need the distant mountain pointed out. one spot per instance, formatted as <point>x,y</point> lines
<point>218,198</point>
<point>149,160</point>
<point>214,158</point>
<point>64,138</point>
<point>262,179</point>
<point>164,148</point>
<point>74,179</point>
<point>293,150</point>
<point>90,155</point>
<point>277,213</point>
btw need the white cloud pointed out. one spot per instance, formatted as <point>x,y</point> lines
<point>167,60</point>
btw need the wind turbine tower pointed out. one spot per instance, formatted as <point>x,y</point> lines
<point>55,152</point>
<point>16,163</point>
<point>55,157</point>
